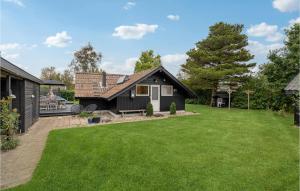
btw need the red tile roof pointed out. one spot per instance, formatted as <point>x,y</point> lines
<point>88,84</point>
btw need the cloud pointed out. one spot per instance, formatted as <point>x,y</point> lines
<point>136,32</point>
<point>173,58</point>
<point>286,5</point>
<point>261,50</point>
<point>11,51</point>
<point>61,39</point>
<point>129,5</point>
<point>127,67</point>
<point>173,17</point>
<point>16,2</point>
<point>173,62</point>
<point>9,56</point>
<point>293,21</point>
<point>270,32</point>
<point>9,46</point>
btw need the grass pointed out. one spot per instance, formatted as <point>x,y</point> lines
<point>216,150</point>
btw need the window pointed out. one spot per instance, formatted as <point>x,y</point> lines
<point>142,90</point>
<point>166,90</point>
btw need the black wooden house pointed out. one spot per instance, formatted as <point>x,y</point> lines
<point>118,92</point>
<point>24,89</point>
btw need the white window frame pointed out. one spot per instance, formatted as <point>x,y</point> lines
<point>136,92</point>
<point>163,93</point>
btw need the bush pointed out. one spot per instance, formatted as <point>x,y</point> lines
<point>8,144</point>
<point>84,114</point>
<point>173,108</point>
<point>67,94</point>
<point>9,123</point>
<point>149,110</point>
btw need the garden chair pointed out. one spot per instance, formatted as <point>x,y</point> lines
<point>52,105</point>
<point>75,109</point>
<point>90,108</point>
<point>43,105</point>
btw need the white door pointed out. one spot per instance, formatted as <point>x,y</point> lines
<point>155,97</point>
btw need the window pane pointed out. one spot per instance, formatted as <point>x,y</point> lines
<point>167,90</point>
<point>142,90</point>
<point>154,93</point>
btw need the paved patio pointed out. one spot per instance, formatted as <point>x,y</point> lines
<point>18,165</point>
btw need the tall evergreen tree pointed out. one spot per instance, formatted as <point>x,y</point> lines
<point>146,61</point>
<point>221,56</point>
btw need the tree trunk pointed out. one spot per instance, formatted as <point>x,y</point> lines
<point>213,93</point>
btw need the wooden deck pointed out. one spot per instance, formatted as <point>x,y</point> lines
<point>58,112</point>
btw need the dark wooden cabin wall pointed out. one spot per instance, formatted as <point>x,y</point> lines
<point>35,102</point>
<point>125,102</point>
<point>102,104</point>
<point>31,104</point>
<point>28,104</point>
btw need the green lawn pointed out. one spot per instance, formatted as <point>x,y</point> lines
<point>216,150</point>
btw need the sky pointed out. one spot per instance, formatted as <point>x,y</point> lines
<point>37,34</point>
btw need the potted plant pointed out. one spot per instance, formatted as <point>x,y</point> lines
<point>96,119</point>
<point>90,120</point>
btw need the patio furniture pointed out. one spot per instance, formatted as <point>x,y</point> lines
<point>90,108</point>
<point>219,102</point>
<point>53,105</point>
<point>75,109</point>
<point>43,105</point>
<point>123,112</point>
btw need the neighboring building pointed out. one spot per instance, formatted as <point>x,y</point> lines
<point>293,88</point>
<point>24,88</point>
<point>117,92</point>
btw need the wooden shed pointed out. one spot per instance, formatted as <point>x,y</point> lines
<point>118,92</point>
<point>24,89</point>
<point>293,88</point>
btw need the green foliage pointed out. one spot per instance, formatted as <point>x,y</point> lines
<point>9,123</point>
<point>149,110</point>
<point>221,56</point>
<point>84,114</point>
<point>173,108</point>
<point>282,67</point>
<point>67,94</point>
<point>50,73</point>
<point>9,144</point>
<point>86,60</point>
<point>146,61</point>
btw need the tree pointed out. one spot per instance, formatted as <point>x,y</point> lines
<point>282,67</point>
<point>146,61</point>
<point>68,79</point>
<point>221,56</point>
<point>283,63</point>
<point>86,60</point>
<point>49,73</point>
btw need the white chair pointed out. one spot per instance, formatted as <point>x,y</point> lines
<point>219,102</point>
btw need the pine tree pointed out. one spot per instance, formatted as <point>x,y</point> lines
<point>221,56</point>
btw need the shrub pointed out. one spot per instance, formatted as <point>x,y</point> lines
<point>149,109</point>
<point>9,144</point>
<point>173,108</point>
<point>84,114</point>
<point>9,123</point>
<point>67,94</point>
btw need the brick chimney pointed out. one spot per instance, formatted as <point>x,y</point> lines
<point>103,79</point>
